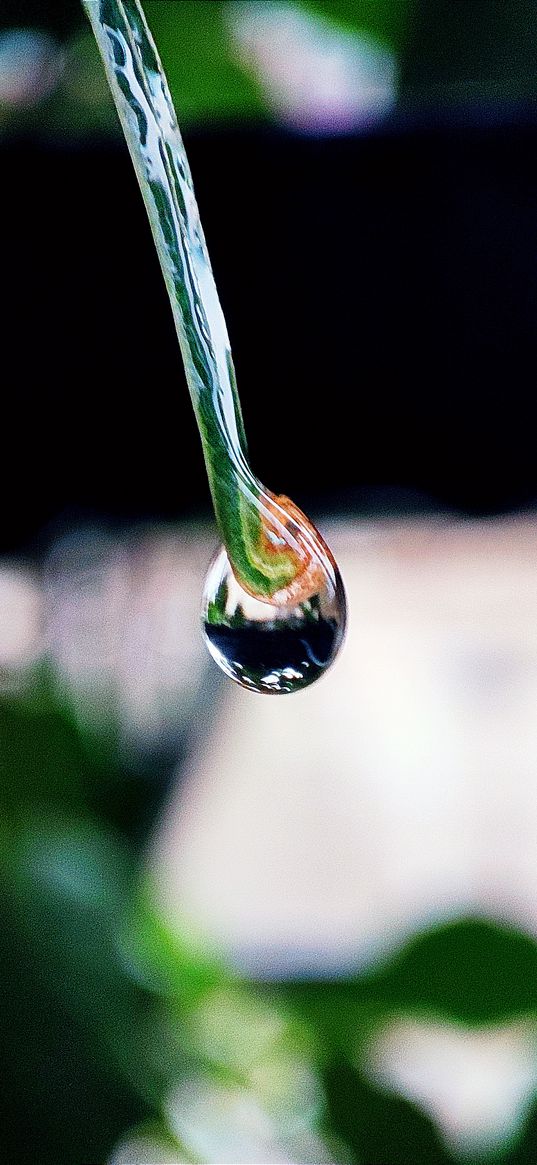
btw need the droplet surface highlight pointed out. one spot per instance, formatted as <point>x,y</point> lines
<point>267,647</point>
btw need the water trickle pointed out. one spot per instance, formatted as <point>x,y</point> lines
<point>278,646</point>
<point>273,607</point>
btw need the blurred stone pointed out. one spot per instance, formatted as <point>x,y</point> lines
<point>315,831</point>
<point>21,614</point>
<point>31,64</point>
<point>123,629</point>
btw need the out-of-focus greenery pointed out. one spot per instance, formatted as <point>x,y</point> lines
<point>207,79</point>
<point>447,54</point>
<point>108,1017</point>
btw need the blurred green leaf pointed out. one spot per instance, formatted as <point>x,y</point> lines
<point>194,44</point>
<point>41,753</point>
<point>470,970</point>
<point>178,964</point>
<point>380,1129</point>
<point>387,20</point>
<point>68,1008</point>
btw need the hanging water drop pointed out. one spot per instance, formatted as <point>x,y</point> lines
<point>275,646</point>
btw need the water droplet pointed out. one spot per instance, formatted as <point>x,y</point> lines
<point>274,620</point>
<point>274,647</point>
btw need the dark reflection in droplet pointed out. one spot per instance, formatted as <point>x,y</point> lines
<point>268,648</point>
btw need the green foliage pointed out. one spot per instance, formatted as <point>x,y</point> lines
<point>194,44</point>
<point>41,754</point>
<point>208,80</point>
<point>447,52</point>
<point>377,1127</point>
<point>206,77</point>
<point>471,971</point>
<point>105,1009</point>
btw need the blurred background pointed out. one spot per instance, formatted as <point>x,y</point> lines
<point>246,930</point>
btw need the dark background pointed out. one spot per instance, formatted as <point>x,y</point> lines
<point>381,300</point>
<point>380,291</point>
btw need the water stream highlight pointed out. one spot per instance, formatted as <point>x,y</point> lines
<point>273,607</point>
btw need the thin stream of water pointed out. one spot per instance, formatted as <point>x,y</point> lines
<point>275,579</point>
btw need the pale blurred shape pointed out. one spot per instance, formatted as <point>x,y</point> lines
<point>231,1124</point>
<point>123,628</point>
<point>234,1030</point>
<point>143,1150</point>
<point>221,1123</point>
<point>21,613</point>
<point>477,1085</point>
<point>316,76</point>
<point>31,64</point>
<point>313,832</point>
<point>254,1039</point>
<point>289,1087</point>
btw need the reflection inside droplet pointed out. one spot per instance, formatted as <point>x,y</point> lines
<point>268,647</point>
